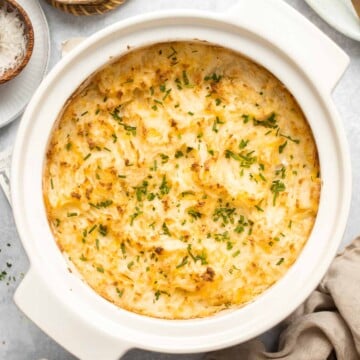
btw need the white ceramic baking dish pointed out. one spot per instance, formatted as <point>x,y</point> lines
<point>272,34</point>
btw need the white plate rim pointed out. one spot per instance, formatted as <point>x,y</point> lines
<point>314,4</point>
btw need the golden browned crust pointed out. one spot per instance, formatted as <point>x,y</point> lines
<point>183,179</point>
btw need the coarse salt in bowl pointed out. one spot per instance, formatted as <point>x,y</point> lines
<point>16,39</point>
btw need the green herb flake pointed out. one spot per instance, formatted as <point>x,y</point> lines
<point>103,230</point>
<point>165,229</point>
<point>281,172</point>
<point>97,244</point>
<point>280,261</point>
<point>239,229</point>
<point>236,253</point>
<point>166,94</point>
<point>179,154</point>
<point>102,204</point>
<point>258,208</point>
<point>184,193</point>
<point>71,214</point>
<point>123,248</point>
<point>164,186</point>
<point>83,258</point>
<point>135,215</point>
<point>100,269</point>
<point>282,147</point>
<point>141,190</point>
<point>157,295</point>
<point>115,115</point>
<point>217,122</point>
<point>92,228</point>
<point>185,78</point>
<point>130,265</point>
<point>87,156</point>
<point>296,141</point>
<point>183,262</point>
<point>201,257</point>
<point>217,101</point>
<point>243,144</point>
<point>269,122</point>
<point>276,188</point>
<point>164,158</point>
<point>226,214</point>
<point>194,214</point>
<point>119,292</point>
<point>213,77</point>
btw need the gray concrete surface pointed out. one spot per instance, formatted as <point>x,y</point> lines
<point>22,340</point>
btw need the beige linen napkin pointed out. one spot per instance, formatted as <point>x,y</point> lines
<point>326,325</point>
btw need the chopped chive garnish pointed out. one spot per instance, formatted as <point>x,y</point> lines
<point>236,253</point>
<point>183,262</point>
<point>269,122</point>
<point>100,269</point>
<point>185,78</point>
<point>296,141</point>
<point>120,292</point>
<point>179,154</point>
<point>282,147</point>
<point>217,122</point>
<point>92,229</point>
<point>276,188</point>
<point>165,229</point>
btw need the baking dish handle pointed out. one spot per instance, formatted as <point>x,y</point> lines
<point>44,308</point>
<point>320,58</point>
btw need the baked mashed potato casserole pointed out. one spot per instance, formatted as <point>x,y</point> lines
<point>181,179</point>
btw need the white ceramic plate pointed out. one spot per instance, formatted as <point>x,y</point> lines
<point>15,94</point>
<point>340,14</point>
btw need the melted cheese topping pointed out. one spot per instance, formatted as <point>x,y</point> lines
<point>181,180</point>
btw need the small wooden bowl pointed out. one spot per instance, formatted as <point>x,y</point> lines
<point>11,5</point>
<point>86,7</point>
